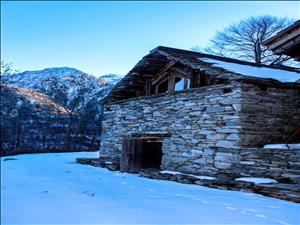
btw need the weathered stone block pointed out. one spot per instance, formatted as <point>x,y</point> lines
<point>225,144</point>
<point>222,165</point>
<point>233,137</point>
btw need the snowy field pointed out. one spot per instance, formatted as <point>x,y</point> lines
<point>53,189</point>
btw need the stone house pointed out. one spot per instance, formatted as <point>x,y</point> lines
<point>201,114</point>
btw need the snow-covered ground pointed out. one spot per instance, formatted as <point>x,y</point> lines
<point>52,189</point>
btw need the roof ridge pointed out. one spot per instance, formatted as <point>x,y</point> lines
<point>227,59</point>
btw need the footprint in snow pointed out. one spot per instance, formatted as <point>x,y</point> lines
<point>250,210</point>
<point>7,159</point>
<point>204,202</point>
<point>283,222</point>
<point>245,213</point>
<point>273,207</point>
<point>227,204</point>
<point>231,208</point>
<point>88,193</point>
<point>261,215</point>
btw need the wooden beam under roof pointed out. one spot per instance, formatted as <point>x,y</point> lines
<point>164,69</point>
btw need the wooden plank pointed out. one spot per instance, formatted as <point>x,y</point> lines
<point>195,80</point>
<point>147,89</point>
<point>151,135</point>
<point>156,89</point>
<point>185,84</point>
<point>171,84</point>
<point>124,155</point>
<point>160,79</point>
<point>132,153</point>
<point>284,38</point>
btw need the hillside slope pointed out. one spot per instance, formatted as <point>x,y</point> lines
<point>30,122</point>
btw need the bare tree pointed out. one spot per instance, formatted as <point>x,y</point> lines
<point>6,69</point>
<point>244,40</point>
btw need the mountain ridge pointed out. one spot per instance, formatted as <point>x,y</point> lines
<point>73,94</point>
<point>64,84</point>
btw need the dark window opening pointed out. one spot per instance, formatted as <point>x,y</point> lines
<point>179,84</point>
<point>170,83</point>
<point>163,87</point>
<point>204,80</point>
<point>227,90</point>
<point>263,88</point>
<point>200,80</point>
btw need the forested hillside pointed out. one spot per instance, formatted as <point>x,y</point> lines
<point>55,109</point>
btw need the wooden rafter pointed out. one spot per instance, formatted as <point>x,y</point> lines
<point>162,71</point>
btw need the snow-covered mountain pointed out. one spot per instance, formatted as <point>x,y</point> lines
<point>111,78</point>
<point>73,92</point>
<point>70,87</point>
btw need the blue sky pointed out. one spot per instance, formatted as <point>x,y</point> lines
<point>110,37</point>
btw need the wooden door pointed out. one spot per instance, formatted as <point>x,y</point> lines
<point>132,153</point>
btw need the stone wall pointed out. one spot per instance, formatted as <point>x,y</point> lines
<point>211,129</point>
<point>279,164</point>
<point>195,119</point>
<point>268,114</point>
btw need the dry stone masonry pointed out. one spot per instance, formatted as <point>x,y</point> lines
<point>195,119</point>
<point>210,129</point>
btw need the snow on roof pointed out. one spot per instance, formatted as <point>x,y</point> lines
<point>255,71</point>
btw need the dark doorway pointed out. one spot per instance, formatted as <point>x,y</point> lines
<point>141,153</point>
<point>152,154</point>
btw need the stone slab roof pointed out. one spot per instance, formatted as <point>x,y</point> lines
<point>217,66</point>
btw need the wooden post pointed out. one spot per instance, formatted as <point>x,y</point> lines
<point>195,80</point>
<point>147,87</point>
<point>185,84</point>
<point>156,89</point>
<point>171,83</point>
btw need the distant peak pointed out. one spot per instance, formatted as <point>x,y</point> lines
<point>58,71</point>
<point>111,78</point>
